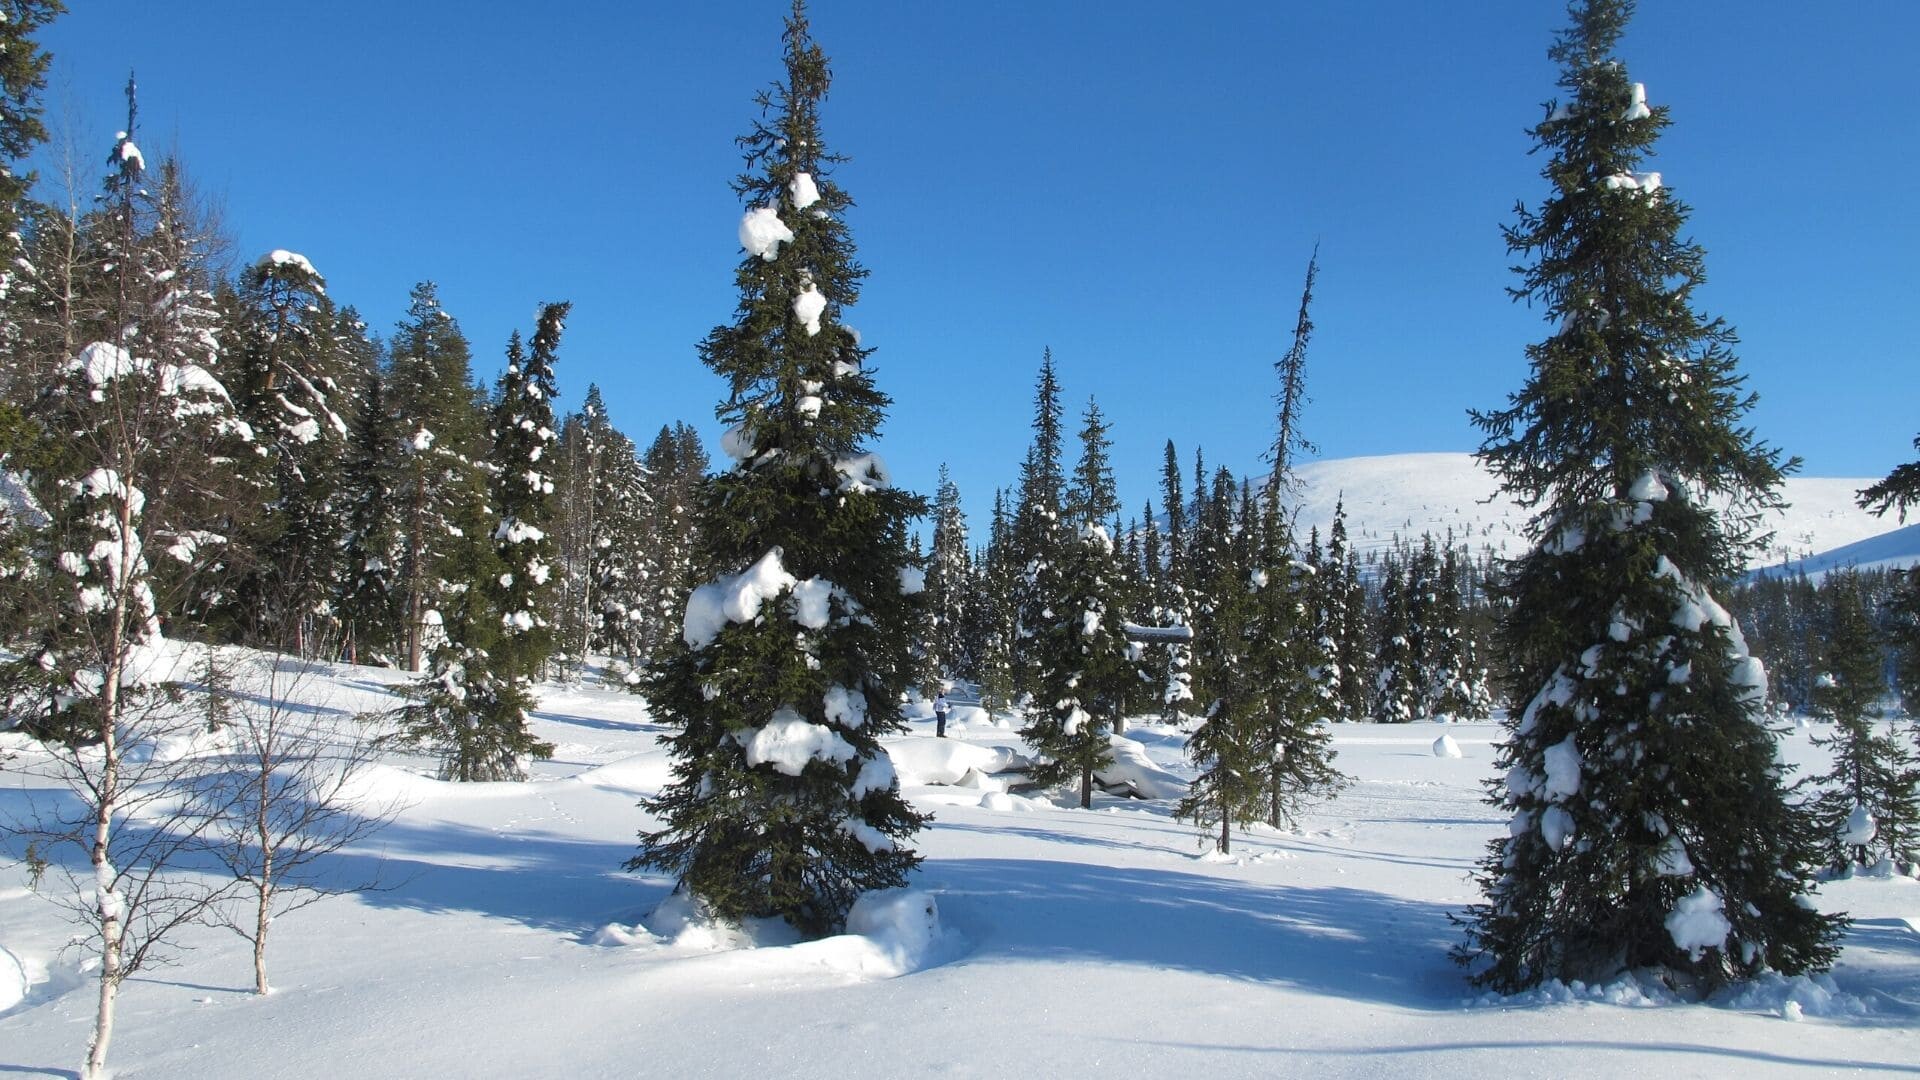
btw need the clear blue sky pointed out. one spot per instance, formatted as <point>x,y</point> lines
<point>1136,185</point>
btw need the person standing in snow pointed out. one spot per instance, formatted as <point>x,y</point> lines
<point>940,717</point>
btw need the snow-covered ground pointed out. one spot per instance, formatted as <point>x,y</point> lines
<point>1105,943</point>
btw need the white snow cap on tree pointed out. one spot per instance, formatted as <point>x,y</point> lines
<point>734,598</point>
<point>789,741</point>
<point>805,192</point>
<point>1698,922</point>
<point>283,257</point>
<point>762,232</point>
<point>809,306</point>
<point>1645,183</point>
<point>1638,110</point>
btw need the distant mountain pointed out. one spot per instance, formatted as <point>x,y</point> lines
<point>1406,495</point>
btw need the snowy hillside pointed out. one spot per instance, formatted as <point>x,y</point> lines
<point>1406,495</point>
<point>1891,550</point>
<point>1043,940</point>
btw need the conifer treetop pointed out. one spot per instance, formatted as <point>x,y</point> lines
<point>1632,382</point>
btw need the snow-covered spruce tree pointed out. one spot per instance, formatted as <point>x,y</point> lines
<point>1284,656</point>
<point>1038,537</point>
<point>296,388</point>
<point>1869,802</point>
<point>437,464</point>
<point>1172,597</point>
<point>994,615</point>
<point>1084,665</point>
<point>1398,679</point>
<point>658,564</point>
<point>1230,783</point>
<point>370,592</point>
<point>1651,826</point>
<point>471,706</point>
<point>951,590</point>
<point>522,495</point>
<point>794,654</point>
<point>1346,628</point>
<point>23,74</point>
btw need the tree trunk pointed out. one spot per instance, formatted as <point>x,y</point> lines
<point>1086,788</point>
<point>1226,822</point>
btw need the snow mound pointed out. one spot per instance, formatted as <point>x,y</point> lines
<point>644,772</point>
<point>921,760</point>
<point>13,980</point>
<point>1444,746</point>
<point>1791,997</point>
<point>901,929</point>
<point>890,933</point>
<point>1134,771</point>
<point>685,922</point>
<point>997,800</point>
<point>383,785</point>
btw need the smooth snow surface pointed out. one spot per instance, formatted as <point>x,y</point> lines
<point>1037,939</point>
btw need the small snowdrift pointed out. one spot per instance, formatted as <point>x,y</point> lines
<point>923,761</point>
<point>890,933</point>
<point>643,773</point>
<point>1444,746</point>
<point>1132,772</point>
<point>13,980</point>
<point>386,785</point>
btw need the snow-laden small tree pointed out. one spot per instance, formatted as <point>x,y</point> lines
<point>1869,802</point>
<point>794,653</point>
<point>1651,826</point>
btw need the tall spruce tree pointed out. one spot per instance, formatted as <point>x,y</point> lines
<point>439,479</point>
<point>1651,826</point>
<point>1085,667</point>
<point>951,590</point>
<point>1038,538</point>
<point>23,74</point>
<point>795,655</point>
<point>522,495</point>
<point>295,385</point>
<point>370,589</point>
<point>472,705</point>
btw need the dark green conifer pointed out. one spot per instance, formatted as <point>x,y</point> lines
<point>1651,827</point>
<point>794,655</point>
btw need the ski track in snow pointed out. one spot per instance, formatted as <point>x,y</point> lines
<point>508,942</point>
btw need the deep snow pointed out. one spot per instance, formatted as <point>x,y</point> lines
<point>1040,940</point>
